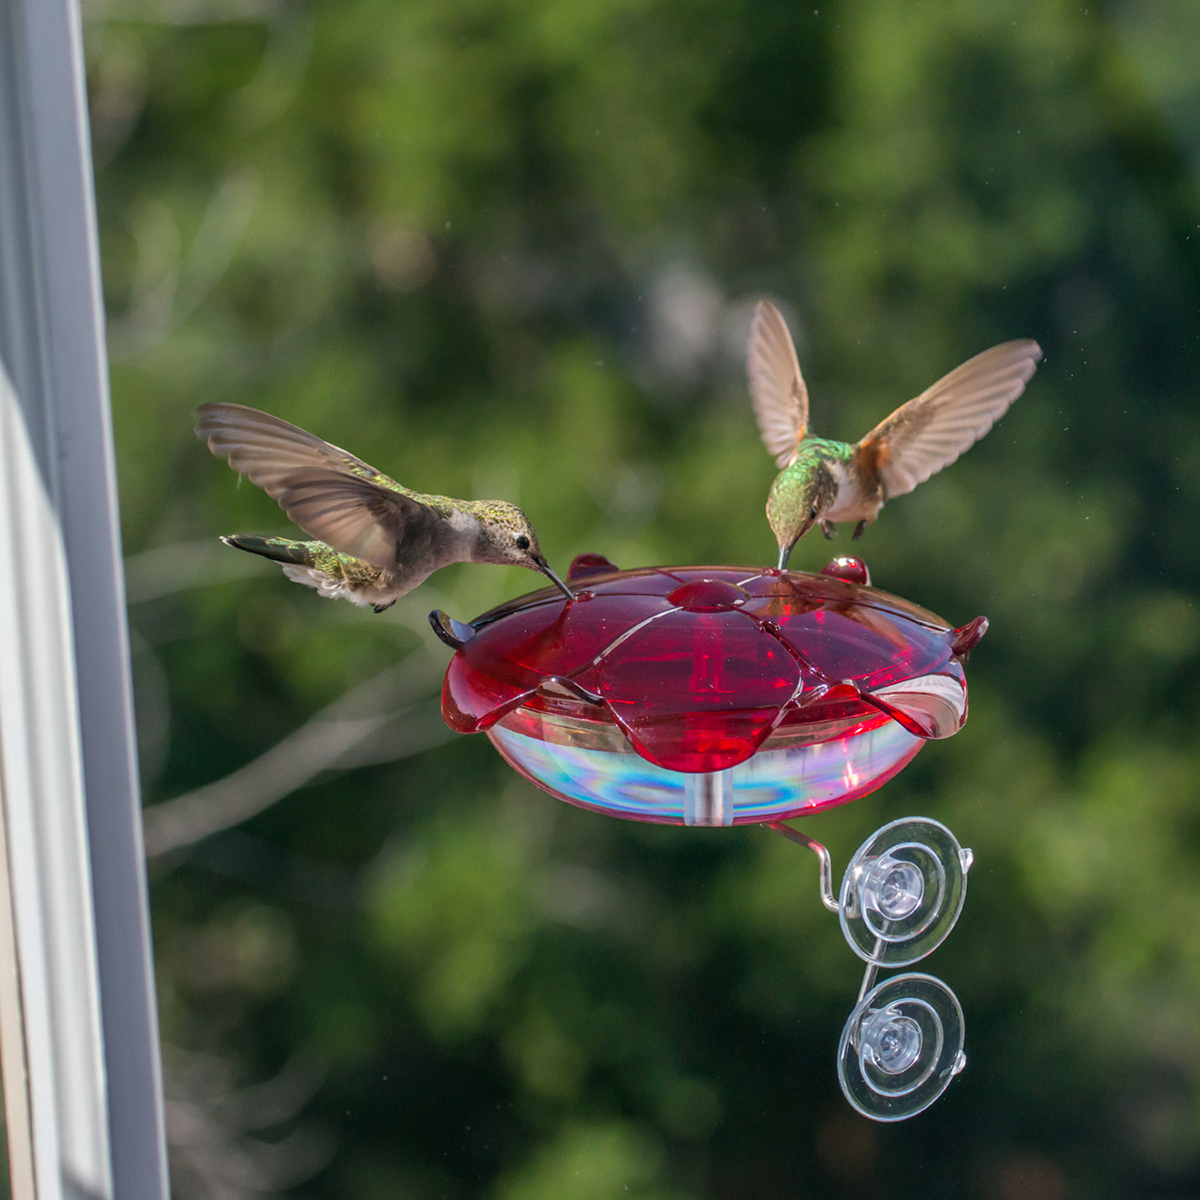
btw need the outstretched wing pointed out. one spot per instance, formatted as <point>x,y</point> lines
<point>267,450</point>
<point>777,388</point>
<point>930,432</point>
<point>332,495</point>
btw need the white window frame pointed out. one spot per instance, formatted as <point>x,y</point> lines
<point>78,1020</point>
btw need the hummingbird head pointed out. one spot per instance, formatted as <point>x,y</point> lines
<point>796,502</point>
<point>506,537</point>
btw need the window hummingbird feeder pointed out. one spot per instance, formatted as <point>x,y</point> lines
<point>735,696</point>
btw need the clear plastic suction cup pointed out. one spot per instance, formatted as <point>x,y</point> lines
<point>901,1047</point>
<point>903,891</point>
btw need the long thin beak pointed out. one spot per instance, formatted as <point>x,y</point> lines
<point>785,552</point>
<point>548,571</point>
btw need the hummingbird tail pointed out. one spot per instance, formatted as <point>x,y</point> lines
<point>277,549</point>
<point>316,565</point>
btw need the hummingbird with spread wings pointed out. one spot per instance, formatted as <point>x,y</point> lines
<point>823,481</point>
<point>377,540</point>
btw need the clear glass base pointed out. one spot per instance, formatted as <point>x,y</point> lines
<point>797,771</point>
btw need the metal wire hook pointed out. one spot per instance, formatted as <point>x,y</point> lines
<point>794,835</point>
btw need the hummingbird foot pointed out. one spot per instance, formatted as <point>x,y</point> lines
<point>383,607</point>
<point>858,531</point>
<point>829,529</point>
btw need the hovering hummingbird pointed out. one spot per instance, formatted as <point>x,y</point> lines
<point>378,540</point>
<point>824,481</point>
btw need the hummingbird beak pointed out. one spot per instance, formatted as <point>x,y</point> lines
<point>548,571</point>
<point>785,552</point>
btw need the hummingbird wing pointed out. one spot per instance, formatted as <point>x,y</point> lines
<point>332,495</point>
<point>777,388</point>
<point>268,450</point>
<point>387,529</point>
<point>930,432</point>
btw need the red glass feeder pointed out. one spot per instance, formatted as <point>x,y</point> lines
<point>708,695</point>
<point>735,695</point>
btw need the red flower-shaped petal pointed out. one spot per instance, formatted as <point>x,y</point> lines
<point>699,690</point>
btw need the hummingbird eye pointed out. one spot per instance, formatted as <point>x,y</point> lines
<point>522,542</point>
<point>812,515</point>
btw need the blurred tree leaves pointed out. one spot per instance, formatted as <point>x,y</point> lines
<point>512,250</point>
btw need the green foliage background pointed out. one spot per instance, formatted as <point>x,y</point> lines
<point>510,249</point>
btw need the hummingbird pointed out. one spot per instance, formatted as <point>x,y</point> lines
<point>824,481</point>
<point>378,540</point>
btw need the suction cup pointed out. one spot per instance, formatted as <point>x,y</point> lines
<point>901,1047</point>
<point>903,891</point>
